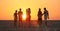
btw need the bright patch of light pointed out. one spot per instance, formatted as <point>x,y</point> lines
<point>24,16</point>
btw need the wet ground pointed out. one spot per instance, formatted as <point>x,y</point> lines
<point>8,25</point>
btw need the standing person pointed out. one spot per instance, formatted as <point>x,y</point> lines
<point>28,12</point>
<point>39,17</point>
<point>20,13</point>
<point>28,17</point>
<point>15,18</point>
<point>46,15</point>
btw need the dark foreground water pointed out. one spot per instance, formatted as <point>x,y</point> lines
<point>8,25</point>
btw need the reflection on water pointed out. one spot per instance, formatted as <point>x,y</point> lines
<point>31,23</point>
<point>26,26</point>
<point>35,23</point>
<point>29,26</point>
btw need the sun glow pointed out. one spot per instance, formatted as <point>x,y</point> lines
<point>24,16</point>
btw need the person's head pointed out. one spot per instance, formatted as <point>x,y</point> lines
<point>29,9</point>
<point>16,11</point>
<point>26,9</point>
<point>39,9</point>
<point>20,9</point>
<point>44,8</point>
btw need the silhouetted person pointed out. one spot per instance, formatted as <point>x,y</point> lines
<point>28,16</point>
<point>46,15</point>
<point>28,12</point>
<point>15,18</point>
<point>20,13</point>
<point>39,17</point>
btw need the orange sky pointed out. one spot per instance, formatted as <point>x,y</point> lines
<point>8,7</point>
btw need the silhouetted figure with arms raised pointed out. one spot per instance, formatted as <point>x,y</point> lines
<point>39,17</point>
<point>46,15</point>
<point>15,18</point>
<point>20,13</point>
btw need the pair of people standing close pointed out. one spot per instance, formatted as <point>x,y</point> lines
<point>18,15</point>
<point>28,12</point>
<point>46,16</point>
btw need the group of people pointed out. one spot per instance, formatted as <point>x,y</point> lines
<point>18,15</point>
<point>40,14</point>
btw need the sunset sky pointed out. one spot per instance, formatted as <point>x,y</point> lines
<point>8,7</point>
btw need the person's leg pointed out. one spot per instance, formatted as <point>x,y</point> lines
<point>14,22</point>
<point>39,22</point>
<point>46,21</point>
<point>46,29</point>
<point>19,22</point>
